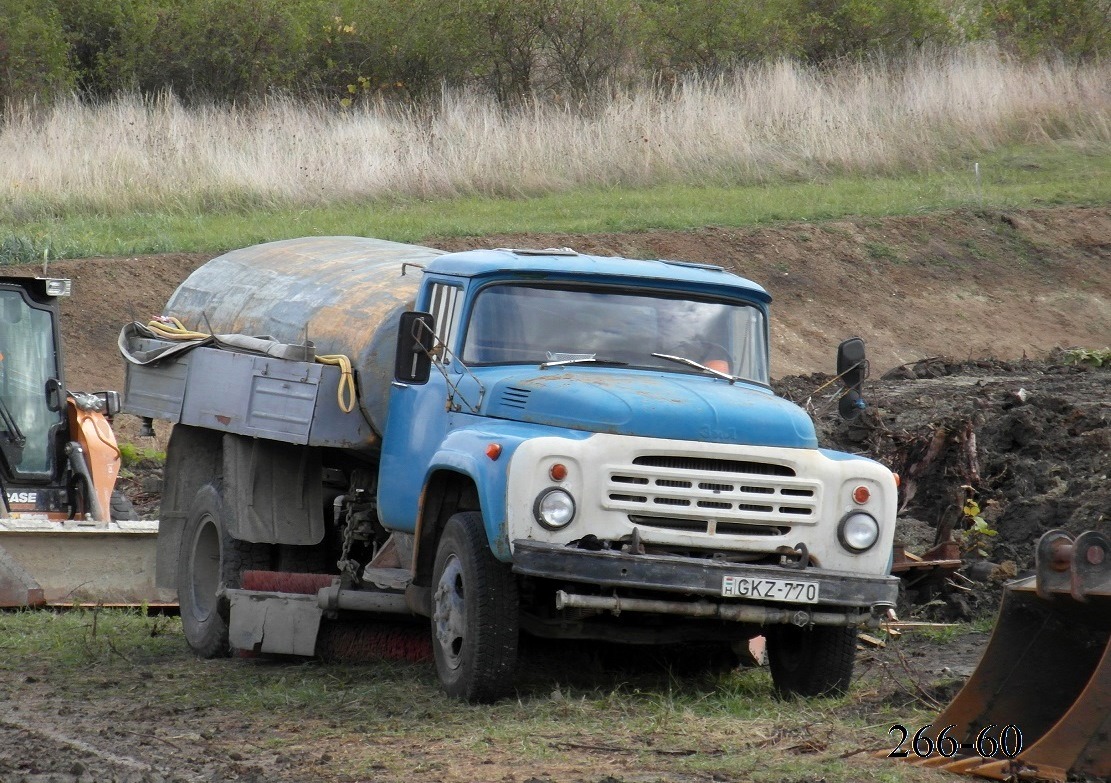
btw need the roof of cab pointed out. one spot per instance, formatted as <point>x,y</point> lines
<point>476,263</point>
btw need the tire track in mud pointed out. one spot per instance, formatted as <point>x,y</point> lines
<point>31,752</point>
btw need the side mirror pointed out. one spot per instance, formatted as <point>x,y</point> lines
<point>413,361</point>
<point>852,368</point>
<point>55,395</point>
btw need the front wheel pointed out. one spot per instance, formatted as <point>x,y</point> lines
<point>474,614</point>
<point>815,661</point>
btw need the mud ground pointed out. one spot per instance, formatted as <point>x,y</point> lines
<point>135,720</point>
<point>970,398</point>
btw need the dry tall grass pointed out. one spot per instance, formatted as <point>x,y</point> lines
<point>767,122</point>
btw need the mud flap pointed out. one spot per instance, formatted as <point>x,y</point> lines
<point>274,623</point>
<point>1038,705</point>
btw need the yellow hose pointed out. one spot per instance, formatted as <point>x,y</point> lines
<point>345,394</point>
<point>173,329</point>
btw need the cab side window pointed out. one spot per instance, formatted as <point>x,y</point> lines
<point>445,305</point>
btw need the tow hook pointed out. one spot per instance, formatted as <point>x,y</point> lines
<point>788,555</point>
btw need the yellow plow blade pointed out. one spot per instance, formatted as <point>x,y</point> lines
<point>67,563</point>
<point>1038,705</point>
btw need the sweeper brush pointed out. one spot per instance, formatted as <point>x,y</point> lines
<point>355,639</point>
<point>1038,705</point>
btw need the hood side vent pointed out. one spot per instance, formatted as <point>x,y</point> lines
<point>515,397</point>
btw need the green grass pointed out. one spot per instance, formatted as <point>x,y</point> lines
<point>389,721</point>
<point>131,454</point>
<point>1015,178</point>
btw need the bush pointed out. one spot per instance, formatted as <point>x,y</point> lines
<point>396,47</point>
<point>1077,28</point>
<point>712,36</point>
<point>100,35</point>
<point>586,43</point>
<point>828,30</point>
<point>225,50</point>
<point>33,52</point>
<point>240,50</point>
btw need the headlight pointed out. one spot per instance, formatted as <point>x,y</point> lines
<point>554,509</point>
<point>858,531</point>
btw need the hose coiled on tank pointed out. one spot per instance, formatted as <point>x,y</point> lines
<point>170,328</point>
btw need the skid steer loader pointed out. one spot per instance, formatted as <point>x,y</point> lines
<point>66,537</point>
<point>1038,705</point>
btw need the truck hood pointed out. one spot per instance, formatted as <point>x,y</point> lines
<point>648,404</point>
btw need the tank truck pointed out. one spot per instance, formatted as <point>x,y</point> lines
<point>501,442</point>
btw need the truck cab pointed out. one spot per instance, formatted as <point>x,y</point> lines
<point>630,463</point>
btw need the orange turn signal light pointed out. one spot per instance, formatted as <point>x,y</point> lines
<point>493,451</point>
<point>861,495</point>
<point>558,472</point>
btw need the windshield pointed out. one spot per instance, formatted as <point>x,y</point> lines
<point>533,324</point>
<point>27,361</point>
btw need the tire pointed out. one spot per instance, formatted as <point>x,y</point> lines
<point>211,559</point>
<point>815,661</point>
<point>121,508</point>
<point>474,614</point>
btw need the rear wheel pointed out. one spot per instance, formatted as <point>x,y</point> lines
<point>211,558</point>
<point>815,661</point>
<point>474,614</point>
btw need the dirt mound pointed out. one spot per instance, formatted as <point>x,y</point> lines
<point>1028,441</point>
<point>964,283</point>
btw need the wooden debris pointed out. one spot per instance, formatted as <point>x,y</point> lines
<point>871,641</point>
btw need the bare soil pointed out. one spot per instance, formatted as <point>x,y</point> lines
<point>963,284</point>
<point>969,398</point>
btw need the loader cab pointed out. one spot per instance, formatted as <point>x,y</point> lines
<point>32,396</point>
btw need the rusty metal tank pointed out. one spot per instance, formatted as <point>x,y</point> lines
<point>345,294</point>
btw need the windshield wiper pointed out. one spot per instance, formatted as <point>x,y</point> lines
<point>581,360</point>
<point>11,429</point>
<point>692,363</point>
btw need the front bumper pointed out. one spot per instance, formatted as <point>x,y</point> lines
<point>846,594</point>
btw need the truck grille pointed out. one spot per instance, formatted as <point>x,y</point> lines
<point>712,496</point>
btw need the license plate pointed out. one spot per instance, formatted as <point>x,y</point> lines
<point>789,590</point>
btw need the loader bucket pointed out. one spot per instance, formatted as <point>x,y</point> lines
<point>1038,705</point>
<point>68,563</point>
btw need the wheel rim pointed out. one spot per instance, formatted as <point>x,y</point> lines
<point>450,612</point>
<point>204,569</point>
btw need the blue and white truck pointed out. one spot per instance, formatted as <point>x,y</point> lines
<point>503,442</point>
